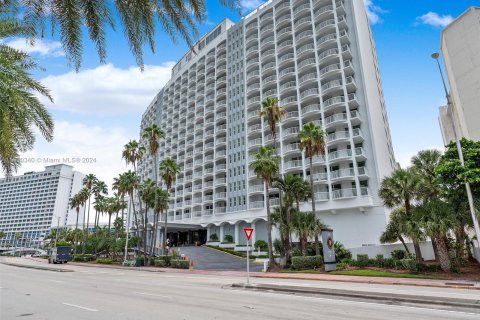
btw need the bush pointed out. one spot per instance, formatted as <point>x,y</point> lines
<point>296,252</point>
<point>362,260</point>
<point>379,257</point>
<point>213,237</point>
<point>278,246</point>
<point>160,263</point>
<point>139,261</point>
<point>261,244</point>
<point>63,244</point>
<point>180,264</point>
<point>165,258</point>
<point>341,252</point>
<point>83,257</point>
<point>233,252</point>
<point>304,263</point>
<point>228,238</point>
<point>399,254</point>
<point>104,261</point>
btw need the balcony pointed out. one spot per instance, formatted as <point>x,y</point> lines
<point>333,102</point>
<point>311,108</point>
<point>220,210</point>
<point>293,164</point>
<point>254,128</point>
<point>256,188</point>
<point>221,181</point>
<point>336,118</point>
<point>220,196</point>
<point>339,135</point>
<point>322,196</point>
<point>256,204</point>
<point>309,92</point>
<point>340,154</point>
<point>343,173</point>
<point>290,131</point>
<point>322,176</point>
<point>255,143</point>
<point>344,193</point>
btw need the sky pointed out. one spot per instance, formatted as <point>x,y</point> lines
<point>98,109</point>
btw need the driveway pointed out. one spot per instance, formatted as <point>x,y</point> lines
<point>211,259</point>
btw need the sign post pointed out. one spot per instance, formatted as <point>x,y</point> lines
<point>248,234</point>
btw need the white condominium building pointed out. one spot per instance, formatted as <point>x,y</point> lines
<point>318,58</point>
<point>31,204</point>
<point>460,44</point>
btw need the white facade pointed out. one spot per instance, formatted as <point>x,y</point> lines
<point>460,44</point>
<point>318,58</point>
<point>31,204</point>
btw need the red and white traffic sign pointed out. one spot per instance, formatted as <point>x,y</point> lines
<point>248,232</point>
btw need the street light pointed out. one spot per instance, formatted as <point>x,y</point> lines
<point>450,106</point>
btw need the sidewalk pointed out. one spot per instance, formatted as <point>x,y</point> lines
<point>42,263</point>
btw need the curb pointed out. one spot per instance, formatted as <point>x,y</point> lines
<point>113,267</point>
<point>413,284</point>
<point>35,267</point>
<point>386,297</point>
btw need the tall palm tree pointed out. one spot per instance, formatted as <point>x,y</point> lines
<point>273,113</point>
<point>147,193</point>
<point>138,20</point>
<point>99,189</point>
<point>168,171</point>
<point>424,164</point>
<point>76,203</point>
<point>265,166</point>
<point>281,218</point>
<point>312,143</point>
<point>100,206</point>
<point>20,106</point>
<point>121,192</point>
<point>401,189</point>
<point>396,228</point>
<point>88,182</point>
<point>161,205</point>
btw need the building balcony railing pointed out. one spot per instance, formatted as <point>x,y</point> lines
<point>343,173</point>
<point>256,204</point>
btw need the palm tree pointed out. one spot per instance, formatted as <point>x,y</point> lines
<point>121,192</point>
<point>160,203</point>
<point>312,142</point>
<point>88,182</point>
<point>130,182</point>
<point>76,203</point>
<point>139,20</point>
<point>424,164</point>
<point>100,206</point>
<point>436,217</point>
<point>20,107</point>
<point>2,234</point>
<point>304,225</point>
<point>99,189</point>
<point>168,171</point>
<point>281,218</point>
<point>401,189</point>
<point>395,229</point>
<point>266,166</point>
<point>273,114</point>
<point>318,226</point>
<point>148,194</point>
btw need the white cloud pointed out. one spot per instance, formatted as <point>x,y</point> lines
<point>106,90</point>
<point>435,20</point>
<point>373,11</point>
<point>251,4</point>
<point>75,141</point>
<point>39,46</point>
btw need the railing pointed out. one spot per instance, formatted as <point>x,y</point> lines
<point>256,188</point>
<point>334,100</point>
<point>340,154</point>
<point>335,118</point>
<point>293,164</point>
<point>344,193</point>
<point>342,173</point>
<point>322,196</point>
<point>257,204</point>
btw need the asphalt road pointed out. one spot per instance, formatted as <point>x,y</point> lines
<point>96,293</point>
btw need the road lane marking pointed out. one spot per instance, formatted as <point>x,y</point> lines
<point>57,281</point>
<point>79,307</point>
<point>153,295</point>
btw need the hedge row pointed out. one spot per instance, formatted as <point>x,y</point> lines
<point>390,263</point>
<point>304,263</point>
<point>104,261</point>
<point>83,257</point>
<point>180,264</point>
<point>235,253</point>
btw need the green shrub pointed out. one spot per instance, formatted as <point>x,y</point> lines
<point>412,265</point>
<point>104,261</point>
<point>180,264</point>
<point>213,237</point>
<point>83,257</point>
<point>160,263</point>
<point>399,254</point>
<point>296,252</point>
<point>278,246</point>
<point>165,258</point>
<point>228,238</point>
<point>233,252</point>
<point>304,263</point>
<point>63,244</point>
<point>379,257</point>
<point>342,266</point>
<point>341,252</point>
<point>261,244</point>
<point>362,260</point>
<point>139,261</point>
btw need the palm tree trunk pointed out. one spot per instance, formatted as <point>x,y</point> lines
<point>404,244</point>
<point>166,230</point>
<point>88,214</point>
<point>317,245</point>
<point>442,253</point>
<point>76,227</point>
<point>83,229</point>
<point>134,212</point>
<point>269,228</point>
<point>311,185</point>
<point>303,244</point>
<point>435,250</point>
<point>418,252</point>
<point>109,221</point>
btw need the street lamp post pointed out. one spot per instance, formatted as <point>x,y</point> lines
<point>56,233</point>
<point>450,106</point>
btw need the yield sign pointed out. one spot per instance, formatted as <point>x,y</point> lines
<point>248,232</point>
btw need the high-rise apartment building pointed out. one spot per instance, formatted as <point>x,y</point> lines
<point>460,44</point>
<point>34,203</point>
<point>318,58</point>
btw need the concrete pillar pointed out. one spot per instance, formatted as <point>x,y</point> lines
<point>208,233</point>
<point>237,233</point>
<point>222,233</point>
<point>254,235</point>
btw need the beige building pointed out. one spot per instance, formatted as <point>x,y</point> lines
<point>460,45</point>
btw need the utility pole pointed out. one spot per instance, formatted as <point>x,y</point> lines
<point>56,233</point>
<point>450,107</point>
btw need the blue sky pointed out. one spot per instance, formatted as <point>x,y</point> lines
<point>98,109</point>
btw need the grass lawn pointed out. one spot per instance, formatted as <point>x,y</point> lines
<point>366,273</point>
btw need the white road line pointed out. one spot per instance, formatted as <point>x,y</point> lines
<point>153,295</point>
<point>57,281</point>
<point>79,307</point>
